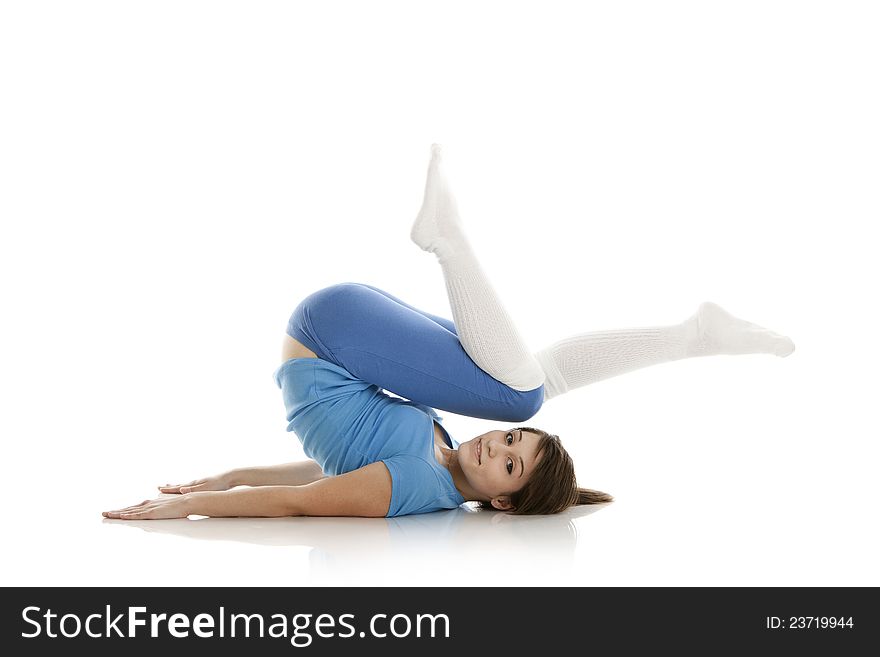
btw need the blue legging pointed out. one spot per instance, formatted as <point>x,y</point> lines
<point>382,340</point>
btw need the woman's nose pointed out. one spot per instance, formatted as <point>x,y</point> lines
<point>495,448</point>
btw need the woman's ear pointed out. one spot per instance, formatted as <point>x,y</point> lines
<point>502,503</point>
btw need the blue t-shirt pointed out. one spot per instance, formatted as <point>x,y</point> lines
<point>345,423</point>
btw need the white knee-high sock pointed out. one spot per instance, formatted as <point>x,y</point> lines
<point>485,330</point>
<point>589,357</point>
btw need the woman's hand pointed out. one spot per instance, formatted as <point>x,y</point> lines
<point>217,482</point>
<point>262,501</point>
<point>163,507</point>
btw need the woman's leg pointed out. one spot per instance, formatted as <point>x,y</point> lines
<point>486,331</point>
<point>490,338</point>
<point>589,357</point>
<point>442,321</point>
<point>380,339</point>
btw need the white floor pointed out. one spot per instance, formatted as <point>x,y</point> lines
<point>176,179</point>
<point>461,546</point>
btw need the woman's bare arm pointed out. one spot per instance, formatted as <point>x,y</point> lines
<point>296,473</point>
<point>363,492</point>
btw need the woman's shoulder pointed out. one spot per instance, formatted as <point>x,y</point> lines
<point>420,485</point>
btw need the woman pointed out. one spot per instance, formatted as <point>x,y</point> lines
<point>377,455</point>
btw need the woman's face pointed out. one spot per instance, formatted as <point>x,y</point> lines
<point>499,463</point>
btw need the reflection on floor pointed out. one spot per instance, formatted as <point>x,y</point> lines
<point>463,546</point>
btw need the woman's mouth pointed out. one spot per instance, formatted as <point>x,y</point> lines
<point>479,450</point>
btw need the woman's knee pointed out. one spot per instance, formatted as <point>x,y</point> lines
<point>521,408</point>
<point>531,404</point>
<point>336,311</point>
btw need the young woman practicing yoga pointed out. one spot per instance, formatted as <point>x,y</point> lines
<point>377,455</point>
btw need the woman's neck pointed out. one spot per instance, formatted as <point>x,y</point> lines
<point>461,484</point>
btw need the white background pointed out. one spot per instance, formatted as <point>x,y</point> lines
<point>176,176</point>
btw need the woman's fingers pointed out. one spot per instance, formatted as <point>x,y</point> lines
<point>116,514</point>
<point>181,488</point>
<point>161,509</point>
<point>133,507</point>
<point>128,512</point>
<point>137,515</point>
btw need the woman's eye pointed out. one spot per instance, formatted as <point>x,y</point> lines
<point>509,466</point>
<point>510,439</point>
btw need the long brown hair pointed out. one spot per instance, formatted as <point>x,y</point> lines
<point>552,487</point>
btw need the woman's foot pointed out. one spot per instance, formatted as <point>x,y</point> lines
<point>712,330</point>
<point>437,228</point>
